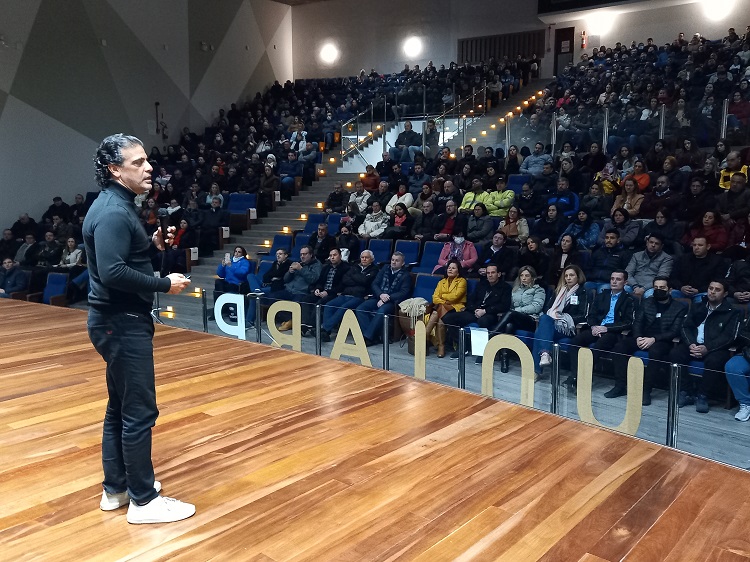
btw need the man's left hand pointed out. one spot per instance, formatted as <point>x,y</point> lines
<point>158,239</point>
<point>598,330</point>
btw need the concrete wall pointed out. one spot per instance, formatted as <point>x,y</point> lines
<point>73,72</point>
<point>370,34</point>
<point>367,38</point>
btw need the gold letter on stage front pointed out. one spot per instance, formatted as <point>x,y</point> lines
<point>420,350</point>
<point>505,341</point>
<point>294,339</point>
<point>633,406</point>
<point>358,348</point>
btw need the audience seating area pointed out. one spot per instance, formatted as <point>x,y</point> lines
<point>554,198</point>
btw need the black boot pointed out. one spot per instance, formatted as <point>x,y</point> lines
<point>504,361</point>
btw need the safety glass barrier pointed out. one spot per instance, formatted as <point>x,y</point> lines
<point>736,123</point>
<point>362,130</point>
<point>709,416</point>
<point>604,386</point>
<point>610,382</point>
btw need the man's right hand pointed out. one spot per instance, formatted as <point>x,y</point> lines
<point>179,283</point>
<point>644,343</point>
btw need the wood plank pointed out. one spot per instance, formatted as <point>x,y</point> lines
<point>295,457</point>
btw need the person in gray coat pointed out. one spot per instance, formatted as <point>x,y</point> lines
<point>480,226</point>
<point>645,266</point>
<point>297,282</point>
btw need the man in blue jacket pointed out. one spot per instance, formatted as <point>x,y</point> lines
<point>391,286</point>
<point>232,272</point>
<point>288,170</point>
<point>12,279</point>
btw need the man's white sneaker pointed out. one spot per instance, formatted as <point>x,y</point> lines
<point>545,359</point>
<point>159,510</point>
<point>744,414</point>
<point>111,502</point>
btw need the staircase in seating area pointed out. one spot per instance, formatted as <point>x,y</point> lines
<point>288,215</point>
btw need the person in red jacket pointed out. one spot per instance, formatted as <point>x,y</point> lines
<point>710,228</point>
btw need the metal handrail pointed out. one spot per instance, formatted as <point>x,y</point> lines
<point>355,147</point>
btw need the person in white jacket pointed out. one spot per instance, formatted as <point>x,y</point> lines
<point>402,196</point>
<point>375,223</point>
<point>360,197</point>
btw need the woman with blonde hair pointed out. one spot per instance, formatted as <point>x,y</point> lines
<point>630,199</point>
<point>566,309</point>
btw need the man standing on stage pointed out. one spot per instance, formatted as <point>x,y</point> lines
<point>122,286</point>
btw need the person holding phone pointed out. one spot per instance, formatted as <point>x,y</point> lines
<point>122,286</point>
<point>232,272</point>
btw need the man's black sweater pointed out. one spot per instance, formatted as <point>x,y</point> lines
<point>119,255</point>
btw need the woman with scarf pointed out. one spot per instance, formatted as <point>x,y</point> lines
<point>400,223</point>
<point>458,249</point>
<point>450,294</point>
<point>568,308</point>
<point>174,257</point>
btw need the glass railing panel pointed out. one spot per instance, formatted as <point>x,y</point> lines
<point>715,434</point>
<point>607,389</point>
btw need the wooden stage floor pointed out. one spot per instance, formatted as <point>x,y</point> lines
<point>296,457</point>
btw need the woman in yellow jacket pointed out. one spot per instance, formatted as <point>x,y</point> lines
<point>501,199</point>
<point>450,294</point>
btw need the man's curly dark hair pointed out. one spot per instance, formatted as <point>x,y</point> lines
<point>110,152</point>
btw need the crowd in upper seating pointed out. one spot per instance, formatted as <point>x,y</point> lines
<point>258,148</point>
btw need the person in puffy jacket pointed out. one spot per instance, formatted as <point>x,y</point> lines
<point>232,272</point>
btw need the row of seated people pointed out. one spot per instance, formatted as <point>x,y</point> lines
<point>687,83</point>
<point>689,271</point>
<point>432,214</point>
<point>26,274</point>
<point>615,321</point>
<point>678,165</point>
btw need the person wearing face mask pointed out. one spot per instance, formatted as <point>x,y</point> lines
<point>458,249</point>
<point>658,320</point>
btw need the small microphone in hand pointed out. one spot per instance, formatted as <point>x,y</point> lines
<point>163,216</point>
